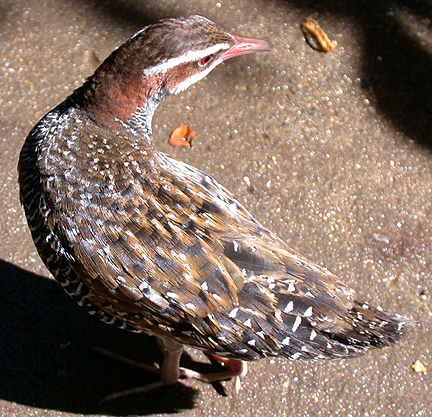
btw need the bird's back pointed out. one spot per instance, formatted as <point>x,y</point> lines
<point>156,245</point>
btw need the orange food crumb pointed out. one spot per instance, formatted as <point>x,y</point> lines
<point>182,136</point>
<point>316,37</point>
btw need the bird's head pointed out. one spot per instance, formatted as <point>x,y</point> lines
<point>180,52</point>
<point>164,58</point>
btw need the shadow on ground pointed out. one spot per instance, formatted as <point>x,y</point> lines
<point>122,13</point>
<point>46,361</point>
<point>396,67</point>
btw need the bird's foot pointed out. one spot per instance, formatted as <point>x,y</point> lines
<point>236,367</point>
<point>171,372</point>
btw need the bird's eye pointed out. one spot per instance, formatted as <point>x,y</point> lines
<point>205,61</point>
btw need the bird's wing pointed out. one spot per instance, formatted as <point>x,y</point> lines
<point>166,247</point>
<point>259,255</point>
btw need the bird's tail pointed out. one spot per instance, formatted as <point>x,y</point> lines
<point>373,327</point>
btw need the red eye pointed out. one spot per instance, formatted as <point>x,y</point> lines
<point>206,60</point>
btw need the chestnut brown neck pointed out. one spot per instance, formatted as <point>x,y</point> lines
<point>119,96</point>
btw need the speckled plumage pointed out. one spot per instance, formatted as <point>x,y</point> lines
<point>149,243</point>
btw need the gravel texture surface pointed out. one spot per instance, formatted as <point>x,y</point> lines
<point>331,151</point>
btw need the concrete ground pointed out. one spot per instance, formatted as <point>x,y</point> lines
<point>331,151</point>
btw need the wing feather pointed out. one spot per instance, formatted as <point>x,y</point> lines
<point>164,247</point>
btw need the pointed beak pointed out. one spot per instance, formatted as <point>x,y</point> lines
<point>244,45</point>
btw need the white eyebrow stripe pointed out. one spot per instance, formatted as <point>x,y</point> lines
<point>164,66</point>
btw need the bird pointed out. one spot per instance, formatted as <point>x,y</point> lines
<point>148,243</point>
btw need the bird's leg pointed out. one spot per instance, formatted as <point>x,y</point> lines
<point>170,371</point>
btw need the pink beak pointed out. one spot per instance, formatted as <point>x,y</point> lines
<point>245,45</point>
